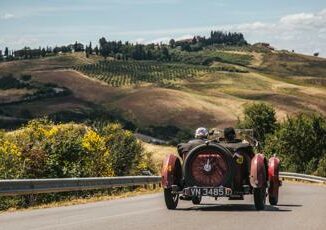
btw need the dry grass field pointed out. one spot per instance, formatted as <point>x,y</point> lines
<point>288,81</point>
<point>159,152</point>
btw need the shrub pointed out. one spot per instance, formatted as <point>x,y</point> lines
<point>146,164</point>
<point>66,155</point>
<point>9,82</point>
<point>300,141</point>
<point>25,77</point>
<point>126,151</point>
<point>98,158</point>
<point>321,168</point>
<point>10,160</point>
<point>261,118</point>
<point>42,149</point>
<point>25,113</point>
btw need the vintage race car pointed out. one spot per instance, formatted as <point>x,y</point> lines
<point>219,168</point>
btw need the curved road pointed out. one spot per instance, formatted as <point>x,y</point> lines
<point>301,206</point>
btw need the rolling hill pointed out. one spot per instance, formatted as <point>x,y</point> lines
<point>181,93</point>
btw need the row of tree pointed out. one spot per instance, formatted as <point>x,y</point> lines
<point>127,50</point>
<point>161,52</point>
<point>28,53</point>
<point>216,37</point>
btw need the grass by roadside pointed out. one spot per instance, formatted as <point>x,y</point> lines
<point>293,181</point>
<point>114,194</point>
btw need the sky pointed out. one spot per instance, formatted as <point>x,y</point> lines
<point>298,25</point>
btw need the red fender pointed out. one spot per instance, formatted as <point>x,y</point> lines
<point>273,176</point>
<point>171,171</point>
<point>258,171</point>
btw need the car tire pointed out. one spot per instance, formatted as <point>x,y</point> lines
<point>196,200</point>
<point>273,200</point>
<point>260,198</point>
<point>171,200</point>
<point>273,192</point>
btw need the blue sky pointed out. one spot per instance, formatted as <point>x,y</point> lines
<point>286,24</point>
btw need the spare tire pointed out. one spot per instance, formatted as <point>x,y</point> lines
<point>209,165</point>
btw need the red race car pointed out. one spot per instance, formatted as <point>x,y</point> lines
<point>221,168</point>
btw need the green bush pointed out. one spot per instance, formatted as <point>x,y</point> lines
<point>10,159</point>
<point>321,168</point>
<point>71,150</point>
<point>300,141</point>
<point>42,149</point>
<point>26,77</point>
<point>9,82</point>
<point>126,151</point>
<point>261,118</point>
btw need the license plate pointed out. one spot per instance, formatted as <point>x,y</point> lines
<point>203,191</point>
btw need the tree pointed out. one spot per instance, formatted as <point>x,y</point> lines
<point>194,40</point>
<point>6,52</point>
<point>172,43</point>
<point>56,50</point>
<point>104,48</point>
<point>96,50</point>
<point>185,47</point>
<point>261,118</point>
<point>102,42</point>
<point>165,54</point>
<point>300,141</point>
<point>87,51</point>
<point>75,46</point>
<point>43,52</point>
<point>90,48</point>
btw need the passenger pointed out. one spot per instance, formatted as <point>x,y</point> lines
<point>201,133</point>
<point>201,136</point>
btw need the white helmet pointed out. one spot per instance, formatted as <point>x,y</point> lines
<point>201,133</point>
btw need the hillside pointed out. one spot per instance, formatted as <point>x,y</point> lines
<point>182,93</point>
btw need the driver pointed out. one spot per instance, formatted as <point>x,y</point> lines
<point>201,136</point>
<point>229,134</point>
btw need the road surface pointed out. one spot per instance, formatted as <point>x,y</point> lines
<point>301,206</point>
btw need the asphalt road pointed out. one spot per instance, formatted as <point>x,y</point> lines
<point>301,206</point>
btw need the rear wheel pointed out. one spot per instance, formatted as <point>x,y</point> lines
<point>273,200</point>
<point>171,199</point>
<point>260,198</point>
<point>196,199</point>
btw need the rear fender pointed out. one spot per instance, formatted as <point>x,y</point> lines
<point>171,171</point>
<point>273,175</point>
<point>258,171</point>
